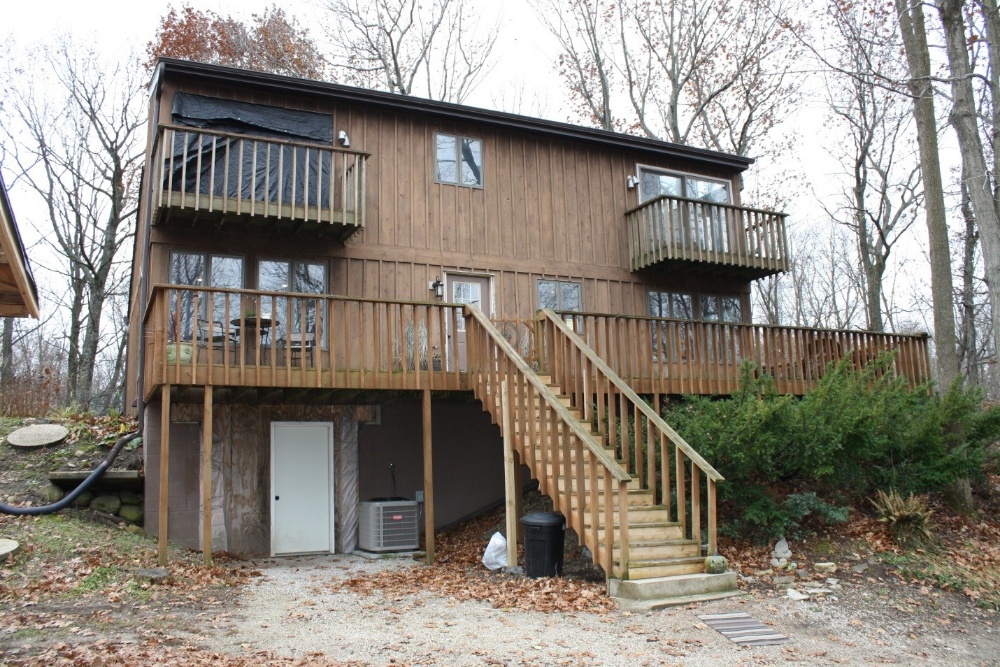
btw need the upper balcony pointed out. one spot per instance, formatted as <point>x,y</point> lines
<point>226,179</point>
<point>708,238</point>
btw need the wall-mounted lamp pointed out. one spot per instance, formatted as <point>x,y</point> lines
<point>344,140</point>
<point>437,287</point>
<point>632,182</point>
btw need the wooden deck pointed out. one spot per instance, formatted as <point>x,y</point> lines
<point>247,338</point>
<point>665,356</point>
<point>199,336</point>
<point>208,177</point>
<point>713,238</point>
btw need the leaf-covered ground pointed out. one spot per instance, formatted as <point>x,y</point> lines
<point>73,594</point>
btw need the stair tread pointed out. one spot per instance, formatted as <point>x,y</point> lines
<point>657,562</point>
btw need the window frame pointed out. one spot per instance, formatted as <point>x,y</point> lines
<point>281,329</point>
<point>459,139</point>
<point>684,176</point>
<point>188,322</point>
<point>574,323</point>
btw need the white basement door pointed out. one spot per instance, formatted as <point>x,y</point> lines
<point>301,488</point>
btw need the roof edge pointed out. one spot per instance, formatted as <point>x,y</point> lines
<point>394,101</point>
<point>29,290</point>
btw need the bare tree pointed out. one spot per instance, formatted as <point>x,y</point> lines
<point>582,27</point>
<point>434,49</point>
<point>79,150</point>
<point>972,122</point>
<point>716,72</point>
<point>884,195</point>
<point>913,33</point>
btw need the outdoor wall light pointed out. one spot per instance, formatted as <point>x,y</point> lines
<point>632,182</point>
<point>344,140</point>
<point>437,287</point>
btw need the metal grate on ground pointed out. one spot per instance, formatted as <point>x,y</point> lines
<point>743,629</point>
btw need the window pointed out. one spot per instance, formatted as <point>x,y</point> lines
<point>203,270</point>
<point>670,339</point>
<point>655,182</point>
<point>715,308</point>
<point>670,304</point>
<point>459,160</point>
<point>296,316</point>
<point>561,295</point>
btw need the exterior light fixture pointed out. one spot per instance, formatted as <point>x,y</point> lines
<point>344,140</point>
<point>632,182</point>
<point>437,287</point>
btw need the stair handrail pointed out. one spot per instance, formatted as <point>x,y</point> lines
<point>619,473</point>
<point>630,394</point>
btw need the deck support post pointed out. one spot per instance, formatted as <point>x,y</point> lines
<point>206,477</point>
<point>510,475</point>
<point>428,479</point>
<point>161,532</point>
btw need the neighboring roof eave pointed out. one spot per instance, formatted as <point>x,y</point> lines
<point>14,249</point>
<point>291,85</point>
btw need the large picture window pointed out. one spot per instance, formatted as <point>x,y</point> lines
<point>458,160</point>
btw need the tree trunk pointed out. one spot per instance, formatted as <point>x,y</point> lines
<point>7,351</point>
<point>914,37</point>
<point>975,173</point>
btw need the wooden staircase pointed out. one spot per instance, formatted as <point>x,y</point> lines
<point>604,456</point>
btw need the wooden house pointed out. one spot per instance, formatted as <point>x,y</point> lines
<point>340,294</point>
<point>18,293</point>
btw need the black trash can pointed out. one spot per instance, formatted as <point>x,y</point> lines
<point>544,536</point>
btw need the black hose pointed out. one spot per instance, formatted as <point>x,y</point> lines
<point>84,485</point>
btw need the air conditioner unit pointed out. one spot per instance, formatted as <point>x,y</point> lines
<point>389,525</point>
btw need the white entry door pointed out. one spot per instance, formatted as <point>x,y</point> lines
<point>301,488</point>
<point>475,291</point>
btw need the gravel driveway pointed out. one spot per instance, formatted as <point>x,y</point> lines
<point>297,608</point>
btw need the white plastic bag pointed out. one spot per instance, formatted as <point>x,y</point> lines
<point>495,556</point>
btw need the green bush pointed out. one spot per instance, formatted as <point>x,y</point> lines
<point>858,431</point>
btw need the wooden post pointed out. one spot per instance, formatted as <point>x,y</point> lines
<point>206,477</point>
<point>510,477</point>
<point>164,472</point>
<point>428,480</point>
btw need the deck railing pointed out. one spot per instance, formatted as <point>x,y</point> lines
<point>584,481</point>
<point>669,356</point>
<point>236,174</point>
<point>660,459</point>
<point>200,335</point>
<point>676,228</point>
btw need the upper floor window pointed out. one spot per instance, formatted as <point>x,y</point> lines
<point>459,160</point>
<point>656,182</point>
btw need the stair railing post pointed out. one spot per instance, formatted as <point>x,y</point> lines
<point>712,526</point>
<point>623,526</point>
<point>510,476</point>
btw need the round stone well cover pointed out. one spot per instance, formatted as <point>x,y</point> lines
<point>38,435</point>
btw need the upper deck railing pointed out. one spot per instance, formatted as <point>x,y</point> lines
<point>221,173</point>
<point>747,241</point>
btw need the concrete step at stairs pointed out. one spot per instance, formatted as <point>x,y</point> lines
<point>657,592</point>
